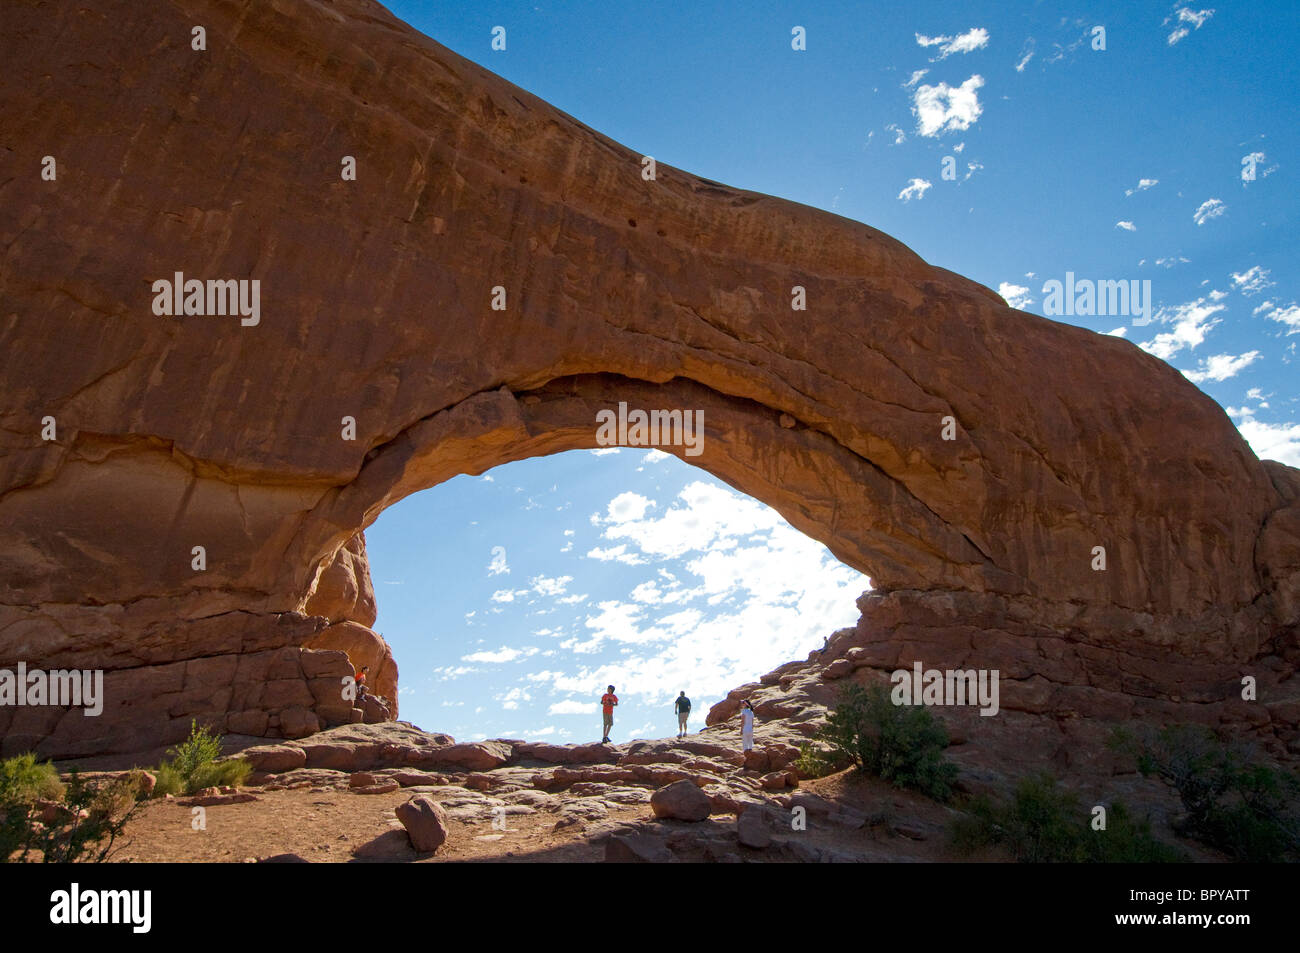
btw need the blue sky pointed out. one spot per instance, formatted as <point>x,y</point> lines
<point>1117,164</point>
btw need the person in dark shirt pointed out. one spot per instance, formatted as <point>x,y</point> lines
<point>683,706</point>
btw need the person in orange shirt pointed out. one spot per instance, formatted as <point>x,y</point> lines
<point>607,703</point>
<point>361,681</point>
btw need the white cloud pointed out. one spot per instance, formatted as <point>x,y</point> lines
<point>971,169</point>
<point>1187,20</point>
<point>945,108</point>
<point>1289,315</point>
<point>550,585</point>
<point>1171,261</point>
<point>510,699</point>
<point>1142,186</point>
<point>916,78</point>
<point>1209,209</point>
<point>615,554</point>
<point>498,564</point>
<point>571,707</point>
<point>974,39</point>
<point>916,188</point>
<point>1017,296</point>
<point>899,136</point>
<point>1127,226</point>
<point>1027,55</point>
<point>508,595</point>
<point>627,506</point>
<point>445,672</point>
<point>503,654</point>
<point>1279,442</point>
<point>1118,332</point>
<point>603,451</point>
<point>1220,367</point>
<point>1191,321</point>
<point>1252,281</point>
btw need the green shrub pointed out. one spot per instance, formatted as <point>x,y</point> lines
<point>193,765</point>
<point>816,762</point>
<point>23,779</point>
<point>83,827</point>
<point>1233,800</point>
<point>218,774</point>
<point>1044,824</point>
<point>167,781</point>
<point>901,744</point>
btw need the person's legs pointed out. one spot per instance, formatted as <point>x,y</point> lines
<point>681,724</point>
<point>608,725</point>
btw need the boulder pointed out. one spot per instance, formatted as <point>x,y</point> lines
<point>682,800</point>
<point>147,782</point>
<point>471,756</point>
<point>636,849</point>
<point>837,669</point>
<point>274,759</point>
<point>425,822</point>
<point>753,829</point>
<point>374,710</point>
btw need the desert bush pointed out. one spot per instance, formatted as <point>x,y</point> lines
<point>1234,800</point>
<point>814,762</point>
<point>192,765</point>
<point>1042,823</point>
<point>217,774</point>
<point>168,781</point>
<point>901,744</point>
<point>23,779</point>
<point>43,818</point>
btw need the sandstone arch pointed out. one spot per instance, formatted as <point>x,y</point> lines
<point>376,293</point>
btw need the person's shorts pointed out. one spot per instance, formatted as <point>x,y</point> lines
<point>609,717</point>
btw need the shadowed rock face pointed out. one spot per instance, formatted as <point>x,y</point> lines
<point>376,304</point>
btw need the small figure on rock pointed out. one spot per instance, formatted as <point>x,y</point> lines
<point>607,703</point>
<point>683,706</point>
<point>746,725</point>
<point>361,681</point>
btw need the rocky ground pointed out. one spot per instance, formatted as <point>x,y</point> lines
<point>337,795</point>
<point>333,797</point>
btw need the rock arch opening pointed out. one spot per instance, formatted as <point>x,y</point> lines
<point>510,600</point>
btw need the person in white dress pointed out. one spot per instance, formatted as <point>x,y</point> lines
<point>746,725</point>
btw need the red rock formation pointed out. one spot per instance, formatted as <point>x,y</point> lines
<point>177,432</point>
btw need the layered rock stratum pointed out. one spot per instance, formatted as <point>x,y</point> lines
<point>376,306</point>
